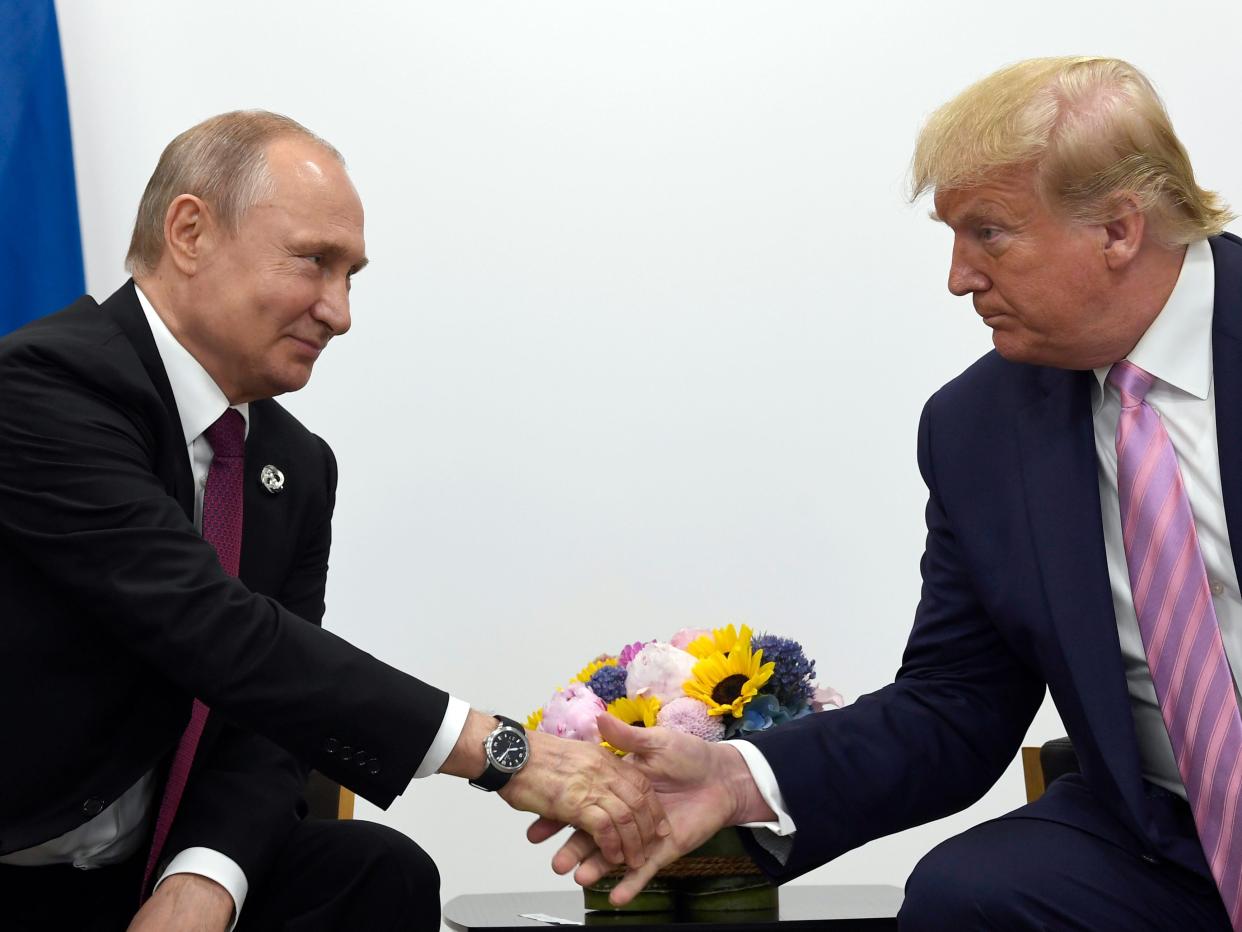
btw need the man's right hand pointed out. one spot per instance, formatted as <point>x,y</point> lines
<point>574,783</point>
<point>582,784</point>
<point>703,787</point>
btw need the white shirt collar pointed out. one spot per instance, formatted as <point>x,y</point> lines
<point>199,399</point>
<point>1177,347</point>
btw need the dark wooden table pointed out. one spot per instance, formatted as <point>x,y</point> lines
<point>840,908</point>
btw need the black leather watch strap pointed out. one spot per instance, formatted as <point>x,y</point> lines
<point>493,778</point>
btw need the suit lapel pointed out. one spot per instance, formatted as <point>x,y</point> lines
<point>266,523</point>
<point>173,458</point>
<point>1060,475</point>
<point>1227,382</point>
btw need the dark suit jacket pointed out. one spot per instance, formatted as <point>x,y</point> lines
<point>1015,597</point>
<point>115,612</point>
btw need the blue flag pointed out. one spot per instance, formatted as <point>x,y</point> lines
<point>40,243</point>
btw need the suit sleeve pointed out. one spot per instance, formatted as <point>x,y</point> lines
<point>928,744</point>
<point>80,497</point>
<point>245,793</point>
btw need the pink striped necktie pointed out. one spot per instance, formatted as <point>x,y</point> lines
<point>222,528</point>
<point>1180,633</point>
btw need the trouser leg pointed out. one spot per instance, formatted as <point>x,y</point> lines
<point>345,875</point>
<point>1026,873</point>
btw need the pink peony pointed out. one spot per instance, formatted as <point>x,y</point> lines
<point>826,697</point>
<point>686,635</point>
<point>571,713</point>
<point>659,670</point>
<point>690,716</point>
<point>628,652</point>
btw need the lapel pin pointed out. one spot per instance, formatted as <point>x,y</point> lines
<point>272,479</point>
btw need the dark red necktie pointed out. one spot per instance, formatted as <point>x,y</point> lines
<point>222,528</point>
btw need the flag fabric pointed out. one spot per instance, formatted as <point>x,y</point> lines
<point>40,241</point>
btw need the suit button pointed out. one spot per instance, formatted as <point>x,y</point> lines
<point>331,745</point>
<point>346,752</point>
<point>93,806</point>
<point>373,766</point>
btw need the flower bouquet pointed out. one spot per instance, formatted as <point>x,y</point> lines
<point>714,684</point>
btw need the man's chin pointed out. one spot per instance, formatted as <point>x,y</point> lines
<point>1015,350</point>
<point>292,380</point>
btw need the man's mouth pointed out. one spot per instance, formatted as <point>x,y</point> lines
<point>313,347</point>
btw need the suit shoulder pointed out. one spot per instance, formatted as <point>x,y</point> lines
<point>991,385</point>
<point>276,420</point>
<point>79,325</point>
<point>80,345</point>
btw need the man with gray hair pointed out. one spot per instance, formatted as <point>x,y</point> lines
<point>1085,486</point>
<point>164,537</point>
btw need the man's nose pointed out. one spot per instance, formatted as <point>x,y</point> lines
<point>965,278</point>
<point>332,308</point>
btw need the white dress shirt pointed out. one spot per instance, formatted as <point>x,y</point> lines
<point>1177,350</point>
<point>118,831</point>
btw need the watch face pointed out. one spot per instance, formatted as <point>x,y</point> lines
<point>508,750</point>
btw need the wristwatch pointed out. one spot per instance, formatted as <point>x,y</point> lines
<point>507,751</point>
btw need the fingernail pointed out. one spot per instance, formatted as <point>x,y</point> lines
<point>664,829</point>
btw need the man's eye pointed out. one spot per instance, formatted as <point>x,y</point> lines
<point>317,259</point>
<point>989,234</point>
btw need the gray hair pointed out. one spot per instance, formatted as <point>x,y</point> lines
<point>222,160</point>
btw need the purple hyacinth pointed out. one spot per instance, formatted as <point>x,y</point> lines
<point>791,680</point>
<point>608,683</point>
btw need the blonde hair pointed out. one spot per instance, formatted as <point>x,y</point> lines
<point>1094,130</point>
<point>222,160</point>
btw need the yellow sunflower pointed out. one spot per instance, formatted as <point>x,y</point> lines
<point>640,711</point>
<point>533,720</point>
<point>589,670</point>
<point>726,684</point>
<point>721,639</point>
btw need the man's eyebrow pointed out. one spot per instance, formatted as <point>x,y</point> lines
<point>323,247</point>
<point>974,215</point>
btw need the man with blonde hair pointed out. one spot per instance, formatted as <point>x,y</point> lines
<point>1084,482</point>
<point>164,537</point>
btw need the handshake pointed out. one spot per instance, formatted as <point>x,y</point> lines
<point>649,778</point>
<point>669,794</point>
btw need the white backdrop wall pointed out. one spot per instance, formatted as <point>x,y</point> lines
<point>648,325</point>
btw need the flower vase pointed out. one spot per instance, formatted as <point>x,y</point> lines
<point>718,876</point>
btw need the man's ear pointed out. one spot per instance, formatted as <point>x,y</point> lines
<point>1123,235</point>
<point>187,232</point>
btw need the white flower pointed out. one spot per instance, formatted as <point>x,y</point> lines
<point>659,670</point>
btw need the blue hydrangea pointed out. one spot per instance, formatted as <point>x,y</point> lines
<point>763,712</point>
<point>608,683</point>
<point>791,681</point>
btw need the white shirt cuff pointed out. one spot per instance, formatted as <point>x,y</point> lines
<point>765,780</point>
<point>446,738</point>
<point>214,866</point>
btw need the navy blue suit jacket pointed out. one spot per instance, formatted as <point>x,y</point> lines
<point>1015,597</point>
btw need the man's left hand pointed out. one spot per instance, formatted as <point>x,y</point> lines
<point>185,903</point>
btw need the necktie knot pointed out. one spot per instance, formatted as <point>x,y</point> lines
<point>1133,382</point>
<point>227,435</point>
